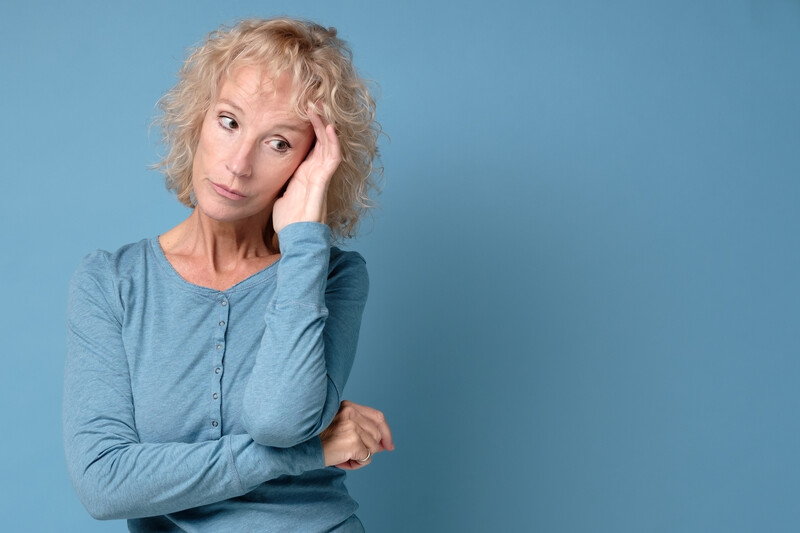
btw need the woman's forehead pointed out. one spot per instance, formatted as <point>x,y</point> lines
<point>255,91</point>
<point>255,81</point>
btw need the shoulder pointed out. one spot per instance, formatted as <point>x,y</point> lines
<point>348,269</point>
<point>104,264</point>
<point>346,259</point>
<point>99,273</point>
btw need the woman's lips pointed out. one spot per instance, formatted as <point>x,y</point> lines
<point>231,194</point>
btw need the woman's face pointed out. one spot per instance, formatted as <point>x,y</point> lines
<point>251,142</point>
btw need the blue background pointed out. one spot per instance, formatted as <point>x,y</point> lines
<point>585,305</point>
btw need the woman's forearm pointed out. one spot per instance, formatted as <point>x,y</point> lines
<point>133,480</point>
<point>310,340</point>
<point>116,475</point>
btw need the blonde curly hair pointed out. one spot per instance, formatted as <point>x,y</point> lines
<point>323,74</point>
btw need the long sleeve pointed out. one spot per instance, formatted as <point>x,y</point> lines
<point>312,327</point>
<point>116,475</point>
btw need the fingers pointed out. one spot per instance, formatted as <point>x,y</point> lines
<point>363,442</point>
<point>376,422</point>
<point>366,459</point>
<point>356,434</point>
<point>326,151</point>
<point>306,193</point>
<point>370,442</point>
<point>345,442</point>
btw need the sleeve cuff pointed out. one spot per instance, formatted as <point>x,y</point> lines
<point>300,233</point>
<point>303,267</point>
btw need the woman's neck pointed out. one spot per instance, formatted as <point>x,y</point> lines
<point>218,254</point>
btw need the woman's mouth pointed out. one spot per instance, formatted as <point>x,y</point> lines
<point>225,192</point>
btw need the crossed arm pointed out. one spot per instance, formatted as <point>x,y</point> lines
<point>117,476</point>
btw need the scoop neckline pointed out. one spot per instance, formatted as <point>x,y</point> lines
<point>256,278</point>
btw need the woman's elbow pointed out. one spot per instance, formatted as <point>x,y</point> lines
<point>281,429</point>
<point>101,504</point>
<point>102,511</point>
<point>102,494</point>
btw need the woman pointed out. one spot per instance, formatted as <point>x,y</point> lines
<point>205,367</point>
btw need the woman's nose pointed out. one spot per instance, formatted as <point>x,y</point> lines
<point>240,159</point>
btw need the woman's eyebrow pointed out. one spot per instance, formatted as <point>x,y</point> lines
<point>230,103</point>
<point>299,126</point>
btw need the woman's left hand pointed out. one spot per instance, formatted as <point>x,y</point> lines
<point>305,198</point>
<point>355,435</point>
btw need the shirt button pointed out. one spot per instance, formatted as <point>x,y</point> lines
<point>214,423</point>
<point>217,370</point>
<point>215,395</point>
<point>219,346</point>
<point>221,322</point>
<point>224,302</point>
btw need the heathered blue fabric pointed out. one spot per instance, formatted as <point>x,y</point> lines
<point>192,409</point>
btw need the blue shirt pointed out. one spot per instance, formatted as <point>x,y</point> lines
<point>191,409</point>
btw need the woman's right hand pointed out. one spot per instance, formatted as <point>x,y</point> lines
<point>306,194</point>
<point>355,435</point>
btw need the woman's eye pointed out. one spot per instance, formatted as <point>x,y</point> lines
<point>228,123</point>
<point>279,144</point>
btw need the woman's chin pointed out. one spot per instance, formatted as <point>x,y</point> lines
<point>222,213</point>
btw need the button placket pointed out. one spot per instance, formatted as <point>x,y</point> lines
<point>220,325</point>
